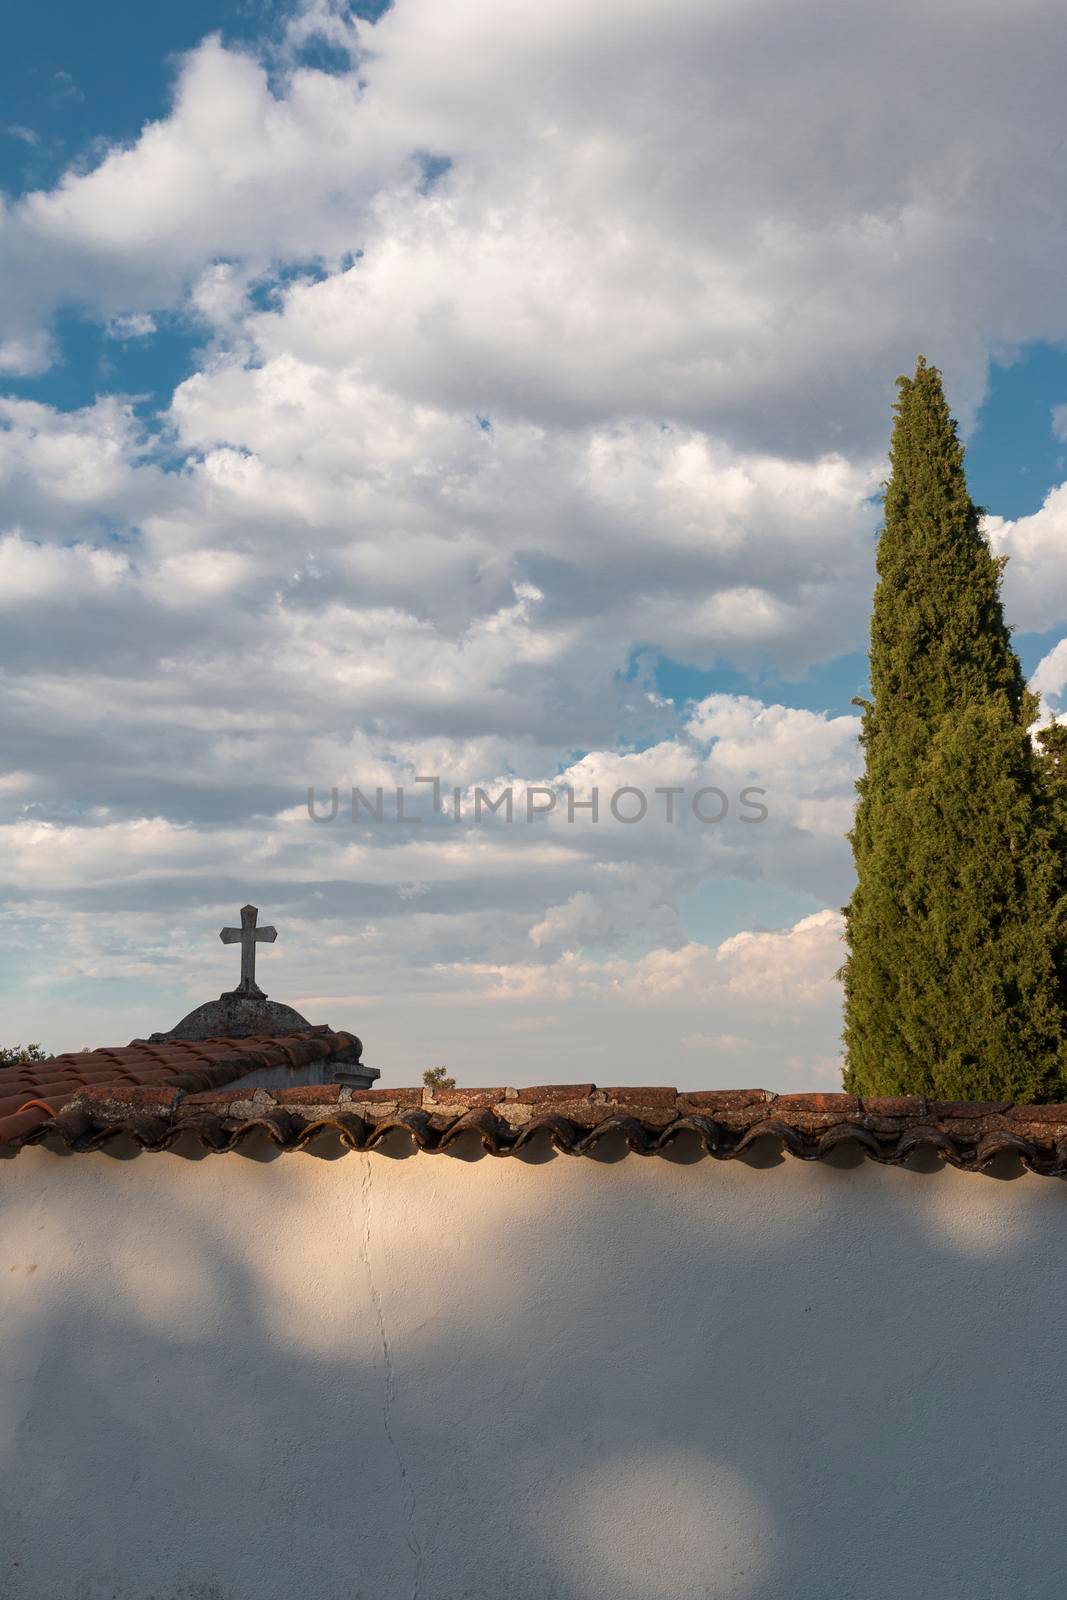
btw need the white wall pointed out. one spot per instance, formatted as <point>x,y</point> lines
<point>440,1379</point>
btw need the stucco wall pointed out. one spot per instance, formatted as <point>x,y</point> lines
<point>439,1379</point>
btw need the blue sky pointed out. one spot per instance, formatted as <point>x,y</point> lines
<point>73,81</point>
<point>76,80</point>
<point>1013,460</point>
<point>72,75</point>
<point>386,390</point>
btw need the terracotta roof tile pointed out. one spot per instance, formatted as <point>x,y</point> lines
<point>554,1091</point>
<point>33,1092</point>
<point>1055,1113</point>
<point>17,1127</point>
<point>195,1103</point>
<point>842,1105</point>
<point>466,1099</point>
<point>628,1096</point>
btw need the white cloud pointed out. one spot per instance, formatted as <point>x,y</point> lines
<point>65,473</point>
<point>796,967</point>
<point>459,458</point>
<point>793,969</point>
<point>232,171</point>
<point>26,355</point>
<point>807,761</point>
<point>1050,676</point>
<point>624,228</point>
<point>1035,579</point>
<point>728,1043</point>
<point>132,325</point>
<point>31,572</point>
<point>16,783</point>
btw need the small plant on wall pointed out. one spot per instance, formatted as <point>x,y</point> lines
<point>11,1055</point>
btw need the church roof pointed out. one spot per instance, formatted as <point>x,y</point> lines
<point>156,1103</point>
<point>32,1093</point>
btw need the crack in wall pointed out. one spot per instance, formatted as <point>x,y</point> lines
<point>389,1400</point>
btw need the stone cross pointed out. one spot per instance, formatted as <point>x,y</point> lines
<point>248,935</point>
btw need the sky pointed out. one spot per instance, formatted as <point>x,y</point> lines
<point>499,394</point>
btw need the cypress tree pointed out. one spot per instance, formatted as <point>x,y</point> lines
<point>954,979</point>
<point>1053,744</point>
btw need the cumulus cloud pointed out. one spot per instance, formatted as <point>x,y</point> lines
<point>1035,579</point>
<point>623,227</point>
<point>25,355</point>
<point>537,342</point>
<point>664,1001</point>
<point>1050,676</point>
<point>131,325</point>
<point>70,473</point>
<point>233,170</point>
<point>464,914</point>
<point>31,572</point>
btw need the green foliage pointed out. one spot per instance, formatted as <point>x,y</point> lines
<point>438,1078</point>
<point>11,1055</point>
<point>1053,765</point>
<point>955,977</point>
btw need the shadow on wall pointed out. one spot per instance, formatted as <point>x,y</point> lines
<point>431,1379</point>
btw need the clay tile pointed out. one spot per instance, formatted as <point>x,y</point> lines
<point>189,1083</point>
<point>626,1094</point>
<point>136,1096</point>
<point>554,1091</point>
<point>405,1099</point>
<point>1044,1113</point>
<point>20,1123</point>
<point>711,1100</point>
<point>464,1097</point>
<point>843,1105</point>
<point>894,1105</point>
<point>214,1098</point>
<point>312,1094</point>
<point>37,1091</point>
<point>310,1049</point>
<point>964,1110</point>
